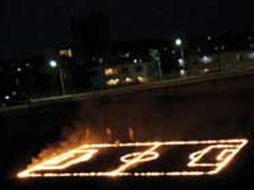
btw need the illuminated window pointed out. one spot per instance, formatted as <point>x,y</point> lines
<point>66,53</point>
<point>110,71</point>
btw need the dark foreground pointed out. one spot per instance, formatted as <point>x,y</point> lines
<point>217,113</point>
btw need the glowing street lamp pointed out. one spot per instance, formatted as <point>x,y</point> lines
<point>178,42</point>
<point>7,97</point>
<point>53,63</point>
<point>181,61</point>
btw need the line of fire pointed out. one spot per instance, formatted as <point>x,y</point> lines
<point>140,159</point>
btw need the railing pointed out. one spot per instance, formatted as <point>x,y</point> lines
<point>214,69</point>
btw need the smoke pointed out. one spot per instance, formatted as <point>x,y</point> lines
<point>149,118</point>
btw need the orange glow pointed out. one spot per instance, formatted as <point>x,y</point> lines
<point>127,157</point>
<point>226,151</point>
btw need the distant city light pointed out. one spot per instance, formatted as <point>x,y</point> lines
<point>19,69</point>
<point>53,63</point>
<point>140,61</point>
<point>209,38</point>
<point>28,64</point>
<point>222,47</point>
<point>135,61</point>
<point>7,97</point>
<point>66,53</point>
<point>113,82</point>
<point>110,71</point>
<point>182,72</point>
<point>206,70</point>
<point>127,55</point>
<point>178,42</point>
<point>205,59</point>
<point>251,55</point>
<point>101,60</point>
<point>14,93</point>
<point>141,79</point>
<point>128,79</point>
<point>181,62</point>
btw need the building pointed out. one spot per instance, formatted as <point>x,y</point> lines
<point>222,62</point>
<point>124,74</point>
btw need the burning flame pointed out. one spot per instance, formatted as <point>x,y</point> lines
<point>84,153</point>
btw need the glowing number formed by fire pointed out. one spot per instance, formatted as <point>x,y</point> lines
<point>226,151</point>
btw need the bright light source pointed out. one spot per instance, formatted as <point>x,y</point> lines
<point>19,69</point>
<point>135,61</point>
<point>178,42</point>
<point>209,38</point>
<point>110,71</point>
<point>7,97</point>
<point>113,82</point>
<point>142,79</point>
<point>181,62</point>
<point>182,72</point>
<point>205,59</point>
<point>66,53</point>
<point>53,63</point>
<point>128,79</point>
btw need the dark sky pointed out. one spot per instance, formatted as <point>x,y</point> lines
<point>29,26</point>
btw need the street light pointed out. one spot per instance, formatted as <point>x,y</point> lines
<point>54,64</point>
<point>181,61</point>
<point>7,97</point>
<point>178,42</point>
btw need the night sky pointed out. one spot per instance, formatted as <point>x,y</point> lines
<point>29,26</point>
